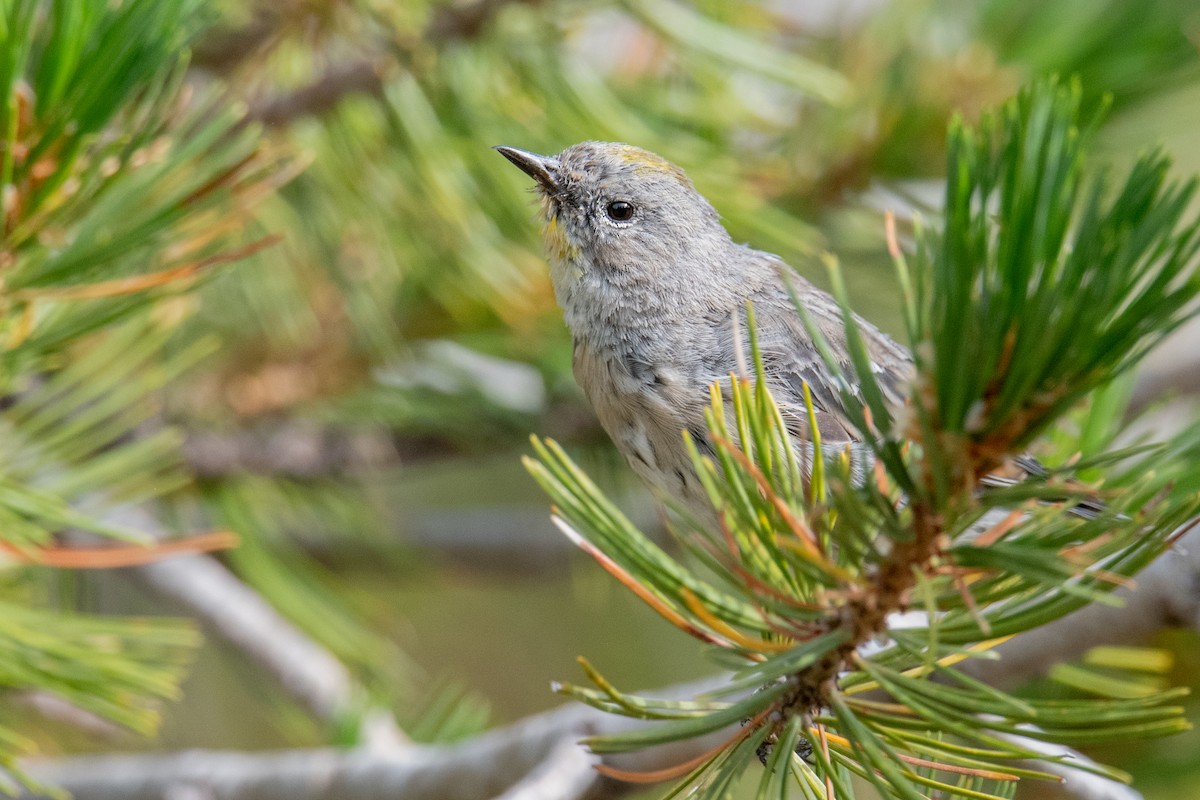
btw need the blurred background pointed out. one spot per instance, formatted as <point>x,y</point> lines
<point>369,383</point>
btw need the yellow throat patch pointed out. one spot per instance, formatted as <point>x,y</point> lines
<point>554,237</point>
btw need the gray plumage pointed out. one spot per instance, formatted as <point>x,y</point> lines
<point>656,301</point>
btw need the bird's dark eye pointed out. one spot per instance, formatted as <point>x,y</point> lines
<point>620,210</point>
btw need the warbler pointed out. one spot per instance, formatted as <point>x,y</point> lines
<point>655,292</point>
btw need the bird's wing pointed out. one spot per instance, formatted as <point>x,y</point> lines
<point>791,360</point>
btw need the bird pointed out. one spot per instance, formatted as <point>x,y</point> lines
<point>655,293</point>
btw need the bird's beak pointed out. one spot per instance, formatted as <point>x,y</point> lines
<point>543,169</point>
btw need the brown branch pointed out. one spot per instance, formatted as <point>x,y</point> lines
<point>362,77</point>
<point>866,615</point>
<point>222,50</point>
<point>454,21</point>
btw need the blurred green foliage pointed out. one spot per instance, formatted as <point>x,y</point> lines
<point>123,159</point>
<point>116,197</point>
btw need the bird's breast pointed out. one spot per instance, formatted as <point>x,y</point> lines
<point>645,407</point>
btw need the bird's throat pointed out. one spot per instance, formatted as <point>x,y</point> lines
<point>554,238</point>
<point>565,267</point>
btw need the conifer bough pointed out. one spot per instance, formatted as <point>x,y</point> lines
<point>117,197</point>
<point>1042,284</point>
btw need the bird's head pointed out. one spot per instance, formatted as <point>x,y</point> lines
<point>615,208</point>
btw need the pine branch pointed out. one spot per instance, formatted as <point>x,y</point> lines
<point>527,759</point>
<point>533,758</point>
<point>806,569</point>
<point>117,198</point>
<point>1166,595</point>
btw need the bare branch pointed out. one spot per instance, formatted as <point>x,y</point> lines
<point>1075,782</point>
<point>530,759</point>
<point>288,450</point>
<point>240,616</point>
<point>224,49</point>
<point>475,770</point>
<point>244,619</point>
<point>364,76</point>
<point>568,772</point>
<point>465,21</point>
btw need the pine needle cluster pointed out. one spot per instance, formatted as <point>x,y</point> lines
<point>844,608</point>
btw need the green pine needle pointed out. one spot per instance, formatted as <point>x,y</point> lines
<point>1039,288</point>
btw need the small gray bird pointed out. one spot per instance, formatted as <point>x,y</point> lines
<point>655,291</point>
